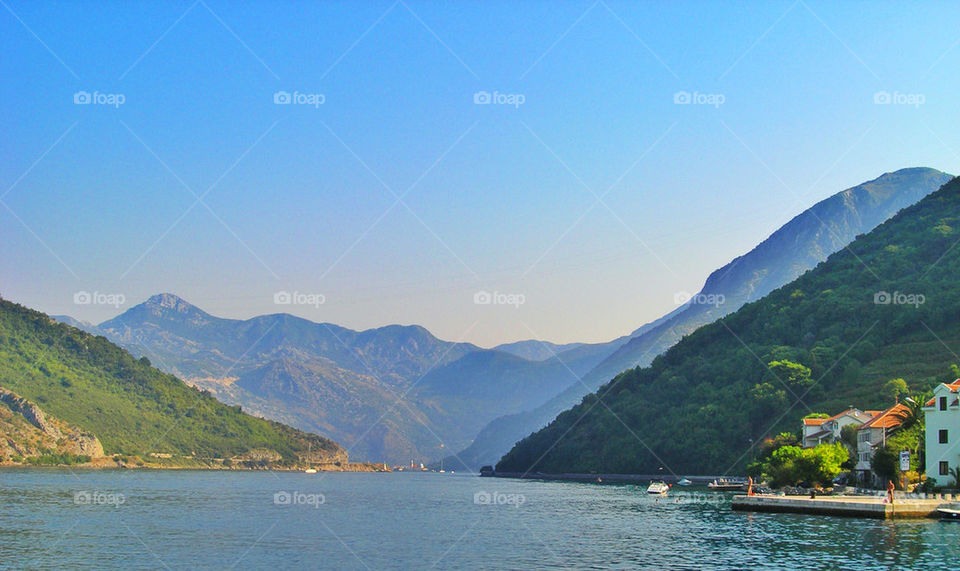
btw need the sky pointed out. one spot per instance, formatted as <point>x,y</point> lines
<point>491,171</point>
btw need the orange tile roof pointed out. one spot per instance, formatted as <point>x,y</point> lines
<point>814,421</point>
<point>849,411</point>
<point>954,387</point>
<point>887,418</point>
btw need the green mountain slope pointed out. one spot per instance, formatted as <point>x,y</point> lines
<point>131,407</point>
<point>797,246</point>
<point>851,320</point>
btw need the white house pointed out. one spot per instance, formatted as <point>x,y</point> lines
<point>827,430</point>
<point>872,435</point>
<point>812,429</point>
<point>942,438</point>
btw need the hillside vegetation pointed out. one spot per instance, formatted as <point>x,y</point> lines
<point>793,249</point>
<point>132,408</point>
<point>886,306</point>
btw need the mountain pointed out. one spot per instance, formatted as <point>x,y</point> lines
<point>533,350</point>
<point>886,306</point>
<point>81,325</point>
<point>64,393</point>
<point>394,393</point>
<point>195,344</point>
<point>793,249</point>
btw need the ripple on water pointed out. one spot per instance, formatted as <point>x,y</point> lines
<point>216,519</point>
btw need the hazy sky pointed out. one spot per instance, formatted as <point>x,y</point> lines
<point>581,189</point>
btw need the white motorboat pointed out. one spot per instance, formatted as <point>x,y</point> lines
<point>727,485</point>
<point>949,511</point>
<point>684,482</point>
<point>658,487</point>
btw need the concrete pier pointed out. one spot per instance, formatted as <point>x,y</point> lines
<point>847,506</point>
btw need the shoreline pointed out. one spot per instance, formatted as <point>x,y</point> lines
<point>609,478</point>
<point>108,463</point>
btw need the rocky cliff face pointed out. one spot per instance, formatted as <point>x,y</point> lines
<point>28,431</point>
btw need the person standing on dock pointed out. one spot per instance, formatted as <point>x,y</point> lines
<point>890,491</point>
<point>749,485</point>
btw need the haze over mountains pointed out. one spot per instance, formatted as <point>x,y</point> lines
<point>343,383</point>
<point>799,245</point>
<point>887,306</point>
<point>347,385</point>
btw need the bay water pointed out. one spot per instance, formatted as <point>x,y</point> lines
<point>58,518</point>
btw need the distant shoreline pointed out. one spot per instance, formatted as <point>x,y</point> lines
<point>110,464</point>
<point>610,478</point>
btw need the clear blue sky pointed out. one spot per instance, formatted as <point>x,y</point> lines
<point>497,197</point>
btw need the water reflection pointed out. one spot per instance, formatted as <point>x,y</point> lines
<point>209,519</point>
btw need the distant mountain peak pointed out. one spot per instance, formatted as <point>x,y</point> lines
<point>163,307</point>
<point>171,301</point>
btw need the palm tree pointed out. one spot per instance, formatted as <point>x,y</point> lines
<point>912,415</point>
<point>955,472</point>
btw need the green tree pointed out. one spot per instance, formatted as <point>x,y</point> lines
<point>912,415</point>
<point>895,388</point>
<point>782,467</point>
<point>848,437</point>
<point>767,448</point>
<point>823,463</point>
<point>795,375</point>
<point>791,465</point>
<point>886,464</point>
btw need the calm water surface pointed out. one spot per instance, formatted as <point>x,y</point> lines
<point>191,519</point>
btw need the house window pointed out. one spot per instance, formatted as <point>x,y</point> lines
<point>943,403</point>
<point>944,468</point>
<point>943,436</point>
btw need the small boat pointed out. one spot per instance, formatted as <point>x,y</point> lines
<point>725,485</point>
<point>949,511</point>
<point>658,487</point>
<point>684,482</point>
<point>310,471</point>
